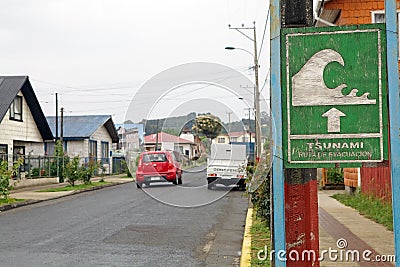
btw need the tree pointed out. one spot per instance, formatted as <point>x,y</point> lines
<point>58,167</point>
<point>208,125</point>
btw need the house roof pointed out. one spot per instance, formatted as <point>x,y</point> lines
<point>83,127</point>
<point>164,137</point>
<point>9,88</point>
<point>325,16</point>
<point>236,134</point>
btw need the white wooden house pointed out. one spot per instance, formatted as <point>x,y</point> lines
<point>23,127</point>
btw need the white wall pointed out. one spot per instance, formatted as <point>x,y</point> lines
<point>102,135</point>
<point>78,148</point>
<point>26,130</point>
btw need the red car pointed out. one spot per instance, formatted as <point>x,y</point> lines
<point>158,166</point>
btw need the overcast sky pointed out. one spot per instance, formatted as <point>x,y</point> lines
<point>97,53</point>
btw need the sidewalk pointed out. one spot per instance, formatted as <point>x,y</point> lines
<point>338,222</point>
<point>31,194</point>
<point>343,229</point>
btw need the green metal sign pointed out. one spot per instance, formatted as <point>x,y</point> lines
<point>334,96</point>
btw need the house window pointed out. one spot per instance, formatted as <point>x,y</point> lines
<point>93,148</point>
<point>105,151</point>
<point>221,140</point>
<point>16,109</point>
<point>379,17</point>
<point>233,139</point>
<point>3,152</point>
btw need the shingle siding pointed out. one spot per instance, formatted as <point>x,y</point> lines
<point>356,11</point>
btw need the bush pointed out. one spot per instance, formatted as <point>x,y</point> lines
<point>35,172</point>
<point>126,169</point>
<point>335,175</point>
<point>261,199</point>
<point>260,186</point>
<point>74,172</point>
<point>5,175</point>
<point>88,170</point>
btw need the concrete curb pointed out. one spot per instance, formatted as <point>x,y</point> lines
<point>245,258</point>
<point>30,201</point>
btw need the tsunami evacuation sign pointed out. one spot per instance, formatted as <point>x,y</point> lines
<point>334,96</point>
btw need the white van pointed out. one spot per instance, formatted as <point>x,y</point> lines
<point>227,165</point>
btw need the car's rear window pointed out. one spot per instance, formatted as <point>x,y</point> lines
<point>159,157</point>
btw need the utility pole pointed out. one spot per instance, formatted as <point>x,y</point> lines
<point>254,99</point>
<point>257,98</point>
<point>56,117</point>
<point>62,127</point>
<point>157,136</point>
<point>229,122</point>
<point>257,91</point>
<point>61,175</point>
<point>249,110</point>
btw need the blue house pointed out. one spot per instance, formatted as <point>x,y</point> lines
<point>89,137</point>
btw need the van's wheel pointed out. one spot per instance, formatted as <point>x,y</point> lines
<point>210,185</point>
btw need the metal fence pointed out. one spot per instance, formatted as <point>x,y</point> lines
<point>50,166</point>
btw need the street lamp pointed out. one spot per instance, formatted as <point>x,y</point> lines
<point>256,91</point>
<point>238,48</point>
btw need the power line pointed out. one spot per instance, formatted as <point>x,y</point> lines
<point>265,28</point>
<point>266,78</point>
<point>57,86</point>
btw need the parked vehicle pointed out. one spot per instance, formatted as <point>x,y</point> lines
<point>249,151</point>
<point>227,165</point>
<point>158,166</point>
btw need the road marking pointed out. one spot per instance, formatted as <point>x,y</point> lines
<point>245,258</point>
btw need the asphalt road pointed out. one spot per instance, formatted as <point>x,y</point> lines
<point>160,225</point>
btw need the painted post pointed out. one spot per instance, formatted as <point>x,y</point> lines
<point>279,238</point>
<point>394,102</point>
<point>300,184</point>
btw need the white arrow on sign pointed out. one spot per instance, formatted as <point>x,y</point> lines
<point>333,119</point>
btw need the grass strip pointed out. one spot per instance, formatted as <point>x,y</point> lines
<point>370,207</point>
<point>4,201</point>
<point>260,240</point>
<point>76,187</point>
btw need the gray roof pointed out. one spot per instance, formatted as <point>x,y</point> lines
<point>83,127</point>
<point>9,88</point>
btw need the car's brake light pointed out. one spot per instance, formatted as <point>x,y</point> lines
<point>240,176</point>
<point>170,165</point>
<point>212,174</point>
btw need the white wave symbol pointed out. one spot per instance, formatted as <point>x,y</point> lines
<point>309,88</point>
